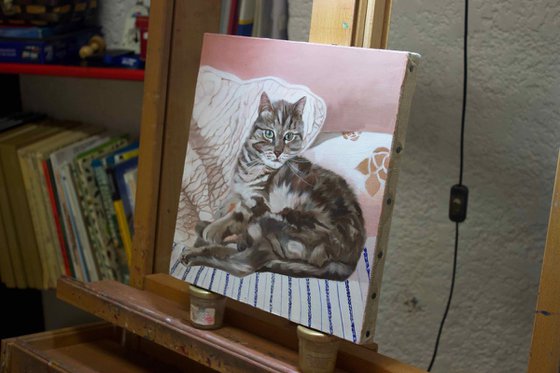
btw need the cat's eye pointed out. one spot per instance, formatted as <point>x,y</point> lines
<point>289,136</point>
<point>268,134</point>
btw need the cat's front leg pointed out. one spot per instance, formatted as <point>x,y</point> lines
<point>227,259</point>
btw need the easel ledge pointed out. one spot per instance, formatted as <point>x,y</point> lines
<point>250,340</point>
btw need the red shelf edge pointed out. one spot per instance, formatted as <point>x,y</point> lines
<point>73,71</point>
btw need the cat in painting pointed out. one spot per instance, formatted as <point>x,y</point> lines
<point>284,214</point>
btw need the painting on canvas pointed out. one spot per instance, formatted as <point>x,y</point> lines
<point>286,190</point>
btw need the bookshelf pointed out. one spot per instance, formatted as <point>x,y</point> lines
<point>108,97</point>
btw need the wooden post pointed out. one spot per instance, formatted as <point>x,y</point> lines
<point>545,345</point>
<point>151,141</point>
<point>358,23</point>
<point>172,65</point>
<point>376,24</point>
<point>193,18</point>
<point>332,22</point>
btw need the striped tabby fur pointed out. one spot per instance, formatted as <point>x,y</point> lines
<point>284,214</point>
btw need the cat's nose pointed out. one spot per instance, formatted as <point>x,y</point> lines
<point>277,153</point>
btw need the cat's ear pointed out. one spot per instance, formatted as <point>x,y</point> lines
<point>300,105</point>
<point>265,105</point>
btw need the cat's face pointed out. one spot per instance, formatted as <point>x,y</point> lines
<point>277,134</point>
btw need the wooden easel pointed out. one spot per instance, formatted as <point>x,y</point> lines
<point>545,345</point>
<point>156,306</point>
<point>169,96</point>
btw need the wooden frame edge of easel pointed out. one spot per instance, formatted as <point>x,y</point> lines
<point>544,355</point>
<point>358,23</point>
<point>151,141</point>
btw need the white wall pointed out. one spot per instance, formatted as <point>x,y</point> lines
<point>512,141</point>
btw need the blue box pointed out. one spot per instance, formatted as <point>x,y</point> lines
<point>53,50</point>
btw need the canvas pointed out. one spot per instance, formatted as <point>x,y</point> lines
<point>289,177</point>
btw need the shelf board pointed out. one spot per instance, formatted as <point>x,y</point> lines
<point>93,348</point>
<point>163,322</point>
<point>73,71</point>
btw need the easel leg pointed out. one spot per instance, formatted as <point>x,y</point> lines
<point>317,351</point>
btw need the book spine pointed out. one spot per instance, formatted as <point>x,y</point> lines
<point>15,254</point>
<point>103,181</point>
<point>92,209</point>
<point>72,243</point>
<point>79,225</point>
<point>36,227</point>
<point>47,172</point>
<point>233,14</point>
<point>224,16</point>
<point>246,17</point>
<point>121,215</point>
<point>6,269</point>
<point>54,264</point>
<point>99,241</point>
<point>124,229</point>
<point>22,220</point>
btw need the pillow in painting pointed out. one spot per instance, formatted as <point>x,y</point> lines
<point>225,109</point>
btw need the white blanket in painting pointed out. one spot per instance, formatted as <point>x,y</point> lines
<point>225,111</point>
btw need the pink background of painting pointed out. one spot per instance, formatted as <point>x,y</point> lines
<point>361,87</point>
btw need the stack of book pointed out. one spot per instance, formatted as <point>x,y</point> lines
<point>44,45</point>
<point>44,32</point>
<point>66,203</point>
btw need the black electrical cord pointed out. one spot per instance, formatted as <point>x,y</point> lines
<point>461,159</point>
<point>448,299</point>
<point>465,76</point>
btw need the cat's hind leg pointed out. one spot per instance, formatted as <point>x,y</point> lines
<point>228,259</point>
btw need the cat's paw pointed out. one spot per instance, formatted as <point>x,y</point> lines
<point>194,258</point>
<point>185,259</point>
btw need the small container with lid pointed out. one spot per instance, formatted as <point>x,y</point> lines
<point>207,308</point>
<point>317,351</point>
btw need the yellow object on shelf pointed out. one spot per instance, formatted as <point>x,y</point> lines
<point>123,229</point>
